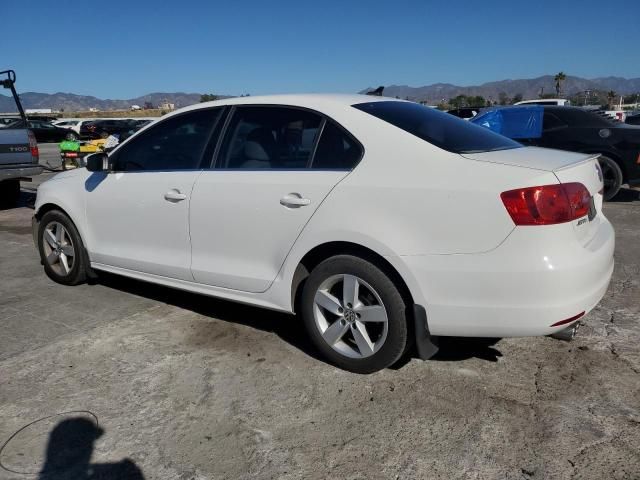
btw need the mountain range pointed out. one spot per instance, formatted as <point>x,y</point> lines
<point>528,88</point>
<point>71,102</point>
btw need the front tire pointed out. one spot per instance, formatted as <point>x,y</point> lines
<point>61,250</point>
<point>354,314</point>
<point>612,177</point>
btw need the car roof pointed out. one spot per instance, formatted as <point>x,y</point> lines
<point>316,101</point>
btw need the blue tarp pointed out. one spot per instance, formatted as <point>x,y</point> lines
<point>513,122</point>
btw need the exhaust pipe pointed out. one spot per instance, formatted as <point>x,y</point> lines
<point>567,334</point>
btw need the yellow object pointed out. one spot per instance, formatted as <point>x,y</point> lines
<point>93,146</point>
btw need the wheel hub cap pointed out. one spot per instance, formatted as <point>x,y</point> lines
<point>58,248</point>
<point>350,316</point>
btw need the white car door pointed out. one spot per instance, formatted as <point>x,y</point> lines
<point>137,215</point>
<point>274,168</point>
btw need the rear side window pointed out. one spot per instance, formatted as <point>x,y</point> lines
<point>551,122</point>
<point>336,150</point>
<point>438,128</point>
<point>177,143</point>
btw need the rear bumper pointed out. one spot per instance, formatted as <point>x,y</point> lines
<point>536,278</point>
<point>20,171</point>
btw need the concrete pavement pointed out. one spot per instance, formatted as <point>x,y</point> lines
<point>164,384</point>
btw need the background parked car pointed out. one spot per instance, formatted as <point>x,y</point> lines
<point>73,126</point>
<point>573,129</point>
<point>103,128</point>
<point>546,101</point>
<point>44,131</point>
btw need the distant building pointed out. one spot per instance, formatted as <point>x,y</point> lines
<point>94,109</point>
<point>135,107</point>
<point>165,105</point>
<point>38,110</point>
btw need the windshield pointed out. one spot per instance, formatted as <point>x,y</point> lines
<point>438,128</point>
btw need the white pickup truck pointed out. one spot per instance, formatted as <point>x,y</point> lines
<point>19,154</point>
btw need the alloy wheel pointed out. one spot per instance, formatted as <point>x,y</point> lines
<point>58,248</point>
<point>350,316</point>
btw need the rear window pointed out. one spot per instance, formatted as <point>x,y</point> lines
<point>438,128</point>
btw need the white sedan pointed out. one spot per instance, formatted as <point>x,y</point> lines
<point>383,223</point>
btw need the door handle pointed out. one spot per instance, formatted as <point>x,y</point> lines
<point>294,200</point>
<point>174,196</point>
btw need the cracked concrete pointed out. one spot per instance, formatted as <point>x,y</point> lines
<point>188,387</point>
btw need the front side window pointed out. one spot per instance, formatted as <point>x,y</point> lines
<point>438,128</point>
<point>177,143</point>
<point>269,138</point>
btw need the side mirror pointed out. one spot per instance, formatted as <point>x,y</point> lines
<point>98,162</point>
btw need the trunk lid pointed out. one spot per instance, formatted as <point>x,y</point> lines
<point>536,158</point>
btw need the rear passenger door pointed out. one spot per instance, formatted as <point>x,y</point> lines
<point>273,169</point>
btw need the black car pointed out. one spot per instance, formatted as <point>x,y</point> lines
<point>576,130</point>
<point>104,128</point>
<point>44,131</point>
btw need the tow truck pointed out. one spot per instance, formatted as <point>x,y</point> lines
<point>19,154</point>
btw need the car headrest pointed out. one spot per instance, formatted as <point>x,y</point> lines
<point>255,151</point>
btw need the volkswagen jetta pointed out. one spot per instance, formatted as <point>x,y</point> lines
<point>381,222</point>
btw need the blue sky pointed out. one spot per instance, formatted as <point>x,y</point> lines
<point>123,49</point>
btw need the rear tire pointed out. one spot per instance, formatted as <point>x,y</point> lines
<point>9,192</point>
<point>612,177</point>
<point>61,249</point>
<point>354,314</point>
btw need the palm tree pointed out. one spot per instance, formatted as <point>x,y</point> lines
<point>610,97</point>
<point>559,78</point>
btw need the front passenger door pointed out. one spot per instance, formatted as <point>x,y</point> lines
<point>138,215</point>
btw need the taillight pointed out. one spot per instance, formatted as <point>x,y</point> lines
<point>33,145</point>
<point>547,204</point>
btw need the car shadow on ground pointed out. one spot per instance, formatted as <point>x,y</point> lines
<point>289,328</point>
